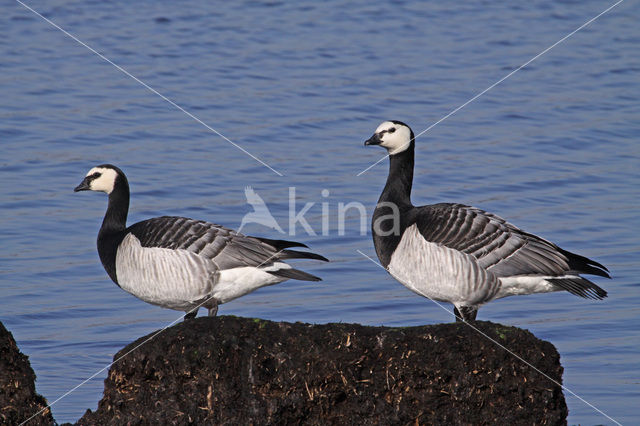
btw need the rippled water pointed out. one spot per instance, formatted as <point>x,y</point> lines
<point>554,149</point>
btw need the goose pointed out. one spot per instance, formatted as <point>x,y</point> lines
<point>461,254</point>
<point>181,263</point>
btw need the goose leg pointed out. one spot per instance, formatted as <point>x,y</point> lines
<point>456,312</point>
<point>465,313</point>
<point>213,310</point>
<point>191,315</point>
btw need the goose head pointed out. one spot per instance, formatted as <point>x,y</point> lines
<point>394,136</point>
<point>102,179</point>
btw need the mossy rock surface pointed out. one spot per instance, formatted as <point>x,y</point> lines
<point>18,398</point>
<point>230,370</point>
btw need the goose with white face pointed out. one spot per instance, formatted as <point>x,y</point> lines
<point>181,263</point>
<point>101,179</point>
<point>395,136</point>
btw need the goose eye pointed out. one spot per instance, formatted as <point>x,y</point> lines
<point>96,175</point>
<point>391,130</point>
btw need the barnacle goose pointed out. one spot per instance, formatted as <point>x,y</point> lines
<point>460,254</point>
<point>182,263</point>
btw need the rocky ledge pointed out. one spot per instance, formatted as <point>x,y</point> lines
<point>230,370</point>
<point>18,398</point>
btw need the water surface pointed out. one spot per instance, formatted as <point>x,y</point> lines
<point>554,149</point>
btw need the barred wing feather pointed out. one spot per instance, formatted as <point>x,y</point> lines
<point>226,248</point>
<point>497,245</point>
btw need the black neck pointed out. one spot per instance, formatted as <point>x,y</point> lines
<point>115,219</point>
<point>391,214</point>
<point>113,226</point>
<point>398,187</point>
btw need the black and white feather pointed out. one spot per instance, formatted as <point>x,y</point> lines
<point>182,263</point>
<point>461,254</point>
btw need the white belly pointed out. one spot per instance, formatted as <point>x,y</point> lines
<point>236,282</point>
<point>523,285</point>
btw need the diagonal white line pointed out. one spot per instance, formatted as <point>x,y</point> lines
<point>510,352</point>
<point>503,79</point>
<point>70,391</point>
<point>127,73</point>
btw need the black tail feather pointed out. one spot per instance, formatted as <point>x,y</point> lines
<point>584,265</point>
<point>295,254</point>
<point>295,274</point>
<point>280,244</point>
<point>580,287</point>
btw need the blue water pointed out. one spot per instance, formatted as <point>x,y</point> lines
<point>554,149</point>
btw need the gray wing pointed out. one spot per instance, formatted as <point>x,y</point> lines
<point>225,247</point>
<point>498,246</point>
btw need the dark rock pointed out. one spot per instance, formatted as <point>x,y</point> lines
<point>18,398</point>
<point>230,370</point>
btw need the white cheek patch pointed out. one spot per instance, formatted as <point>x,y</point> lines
<point>397,141</point>
<point>105,182</point>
